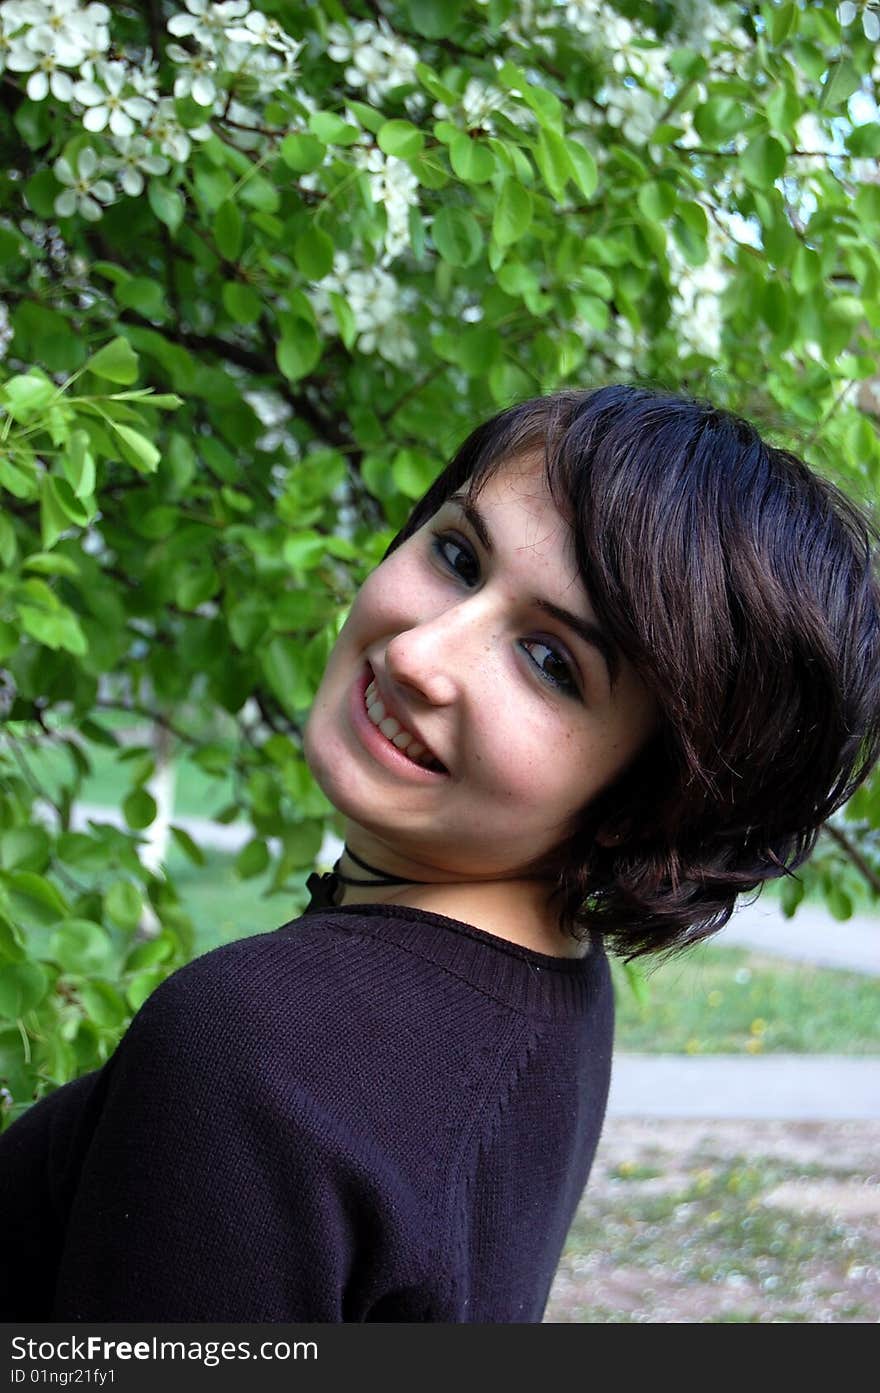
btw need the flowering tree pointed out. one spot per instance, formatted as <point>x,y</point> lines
<point>261,269</point>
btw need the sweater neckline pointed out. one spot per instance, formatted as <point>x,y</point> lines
<point>522,977</point>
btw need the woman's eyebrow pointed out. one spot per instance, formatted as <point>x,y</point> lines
<point>586,629</point>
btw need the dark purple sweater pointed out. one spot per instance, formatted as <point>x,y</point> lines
<point>373,1113</point>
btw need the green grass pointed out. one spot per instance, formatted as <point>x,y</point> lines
<point>720,1000</point>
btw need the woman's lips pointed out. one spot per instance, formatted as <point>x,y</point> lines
<point>377,744</point>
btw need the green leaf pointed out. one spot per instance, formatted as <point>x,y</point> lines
<point>763,161</point>
<point>783,21</point>
<point>791,892</point>
<point>302,153</point>
<point>140,452</point>
<point>143,295</point>
<point>35,897</point>
<point>413,471</point>
<point>457,236</point>
<point>78,464</point>
<point>58,630</point>
<point>252,859</point>
<point>123,903</point>
<point>166,203</point>
<point>344,316</point>
<point>553,160</point>
<point>370,120</point>
<point>79,945</point>
<point>839,903</point>
<point>638,985</point>
<point>867,204</point>
<point>439,90</point>
<point>149,953</point>
<point>24,848</point>
<point>864,141</point>
<point>104,1005</point>
<point>139,808</point>
<point>656,201</point>
<point>513,213</point>
<point>435,19</point>
<point>228,230</point>
<point>471,160</point>
<point>401,139</point>
<point>53,518</point>
<point>26,395</point>
<point>50,563</point>
<point>15,480</point>
<point>313,253</point>
<point>22,987</point>
<point>8,544</point>
<point>719,119</point>
<point>190,848</point>
<point>842,80</point>
<point>330,128</point>
<point>142,986</point>
<point>546,106</point>
<point>241,302</point>
<point>299,351</point>
<point>284,667</point>
<point>116,361</point>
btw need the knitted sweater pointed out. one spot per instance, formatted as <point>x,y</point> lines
<point>373,1113</point>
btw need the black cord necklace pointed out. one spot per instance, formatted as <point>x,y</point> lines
<point>323,887</point>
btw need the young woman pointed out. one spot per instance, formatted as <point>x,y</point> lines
<point>619,666</point>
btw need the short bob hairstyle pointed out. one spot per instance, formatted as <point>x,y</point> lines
<point>744,590</point>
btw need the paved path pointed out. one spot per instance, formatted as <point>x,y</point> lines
<point>812,936</point>
<point>782,1086</point>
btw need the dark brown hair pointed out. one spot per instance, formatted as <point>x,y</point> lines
<point>743,588</point>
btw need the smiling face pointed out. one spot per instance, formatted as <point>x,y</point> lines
<point>465,651</point>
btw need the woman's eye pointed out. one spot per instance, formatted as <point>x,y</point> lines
<point>444,540</point>
<point>553,668</point>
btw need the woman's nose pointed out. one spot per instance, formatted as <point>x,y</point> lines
<point>431,657</point>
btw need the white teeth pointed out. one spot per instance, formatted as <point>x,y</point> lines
<point>392,729</point>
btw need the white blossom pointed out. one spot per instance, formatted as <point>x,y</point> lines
<point>696,302</point>
<point>46,76</point>
<point>195,75</point>
<point>377,303</point>
<point>136,158</point>
<point>633,109</point>
<point>86,191</point>
<point>145,78</point>
<point>260,29</point>
<point>396,188</point>
<point>5,330</point>
<point>106,104</point>
<point>379,60</point>
<point>172,138</point>
<point>479,102</point>
<point>206,22</point>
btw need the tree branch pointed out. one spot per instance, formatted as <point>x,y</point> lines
<point>853,854</point>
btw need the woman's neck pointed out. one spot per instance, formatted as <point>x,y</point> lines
<point>514,910</point>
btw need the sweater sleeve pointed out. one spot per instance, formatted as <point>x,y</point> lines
<point>217,1188</point>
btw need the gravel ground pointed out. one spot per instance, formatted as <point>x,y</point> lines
<point>689,1222</point>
